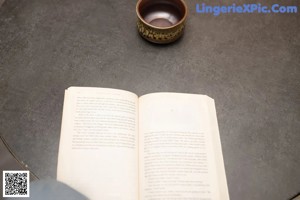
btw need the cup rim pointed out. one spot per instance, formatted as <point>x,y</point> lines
<point>162,28</point>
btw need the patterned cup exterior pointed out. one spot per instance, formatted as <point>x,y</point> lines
<point>160,36</point>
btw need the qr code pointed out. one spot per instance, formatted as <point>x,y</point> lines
<point>15,183</point>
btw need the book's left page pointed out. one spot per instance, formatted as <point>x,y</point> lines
<point>98,151</point>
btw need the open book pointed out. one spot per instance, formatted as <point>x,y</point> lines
<point>161,146</point>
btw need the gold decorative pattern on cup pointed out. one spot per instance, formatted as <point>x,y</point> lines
<point>159,35</point>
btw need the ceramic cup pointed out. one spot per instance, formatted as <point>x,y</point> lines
<point>161,21</point>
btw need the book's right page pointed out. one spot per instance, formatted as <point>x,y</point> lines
<point>180,155</point>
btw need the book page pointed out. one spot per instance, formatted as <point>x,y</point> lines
<point>98,152</point>
<point>180,153</point>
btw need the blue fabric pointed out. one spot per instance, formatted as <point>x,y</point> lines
<point>51,190</point>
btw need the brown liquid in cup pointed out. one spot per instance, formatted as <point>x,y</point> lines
<point>161,13</point>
